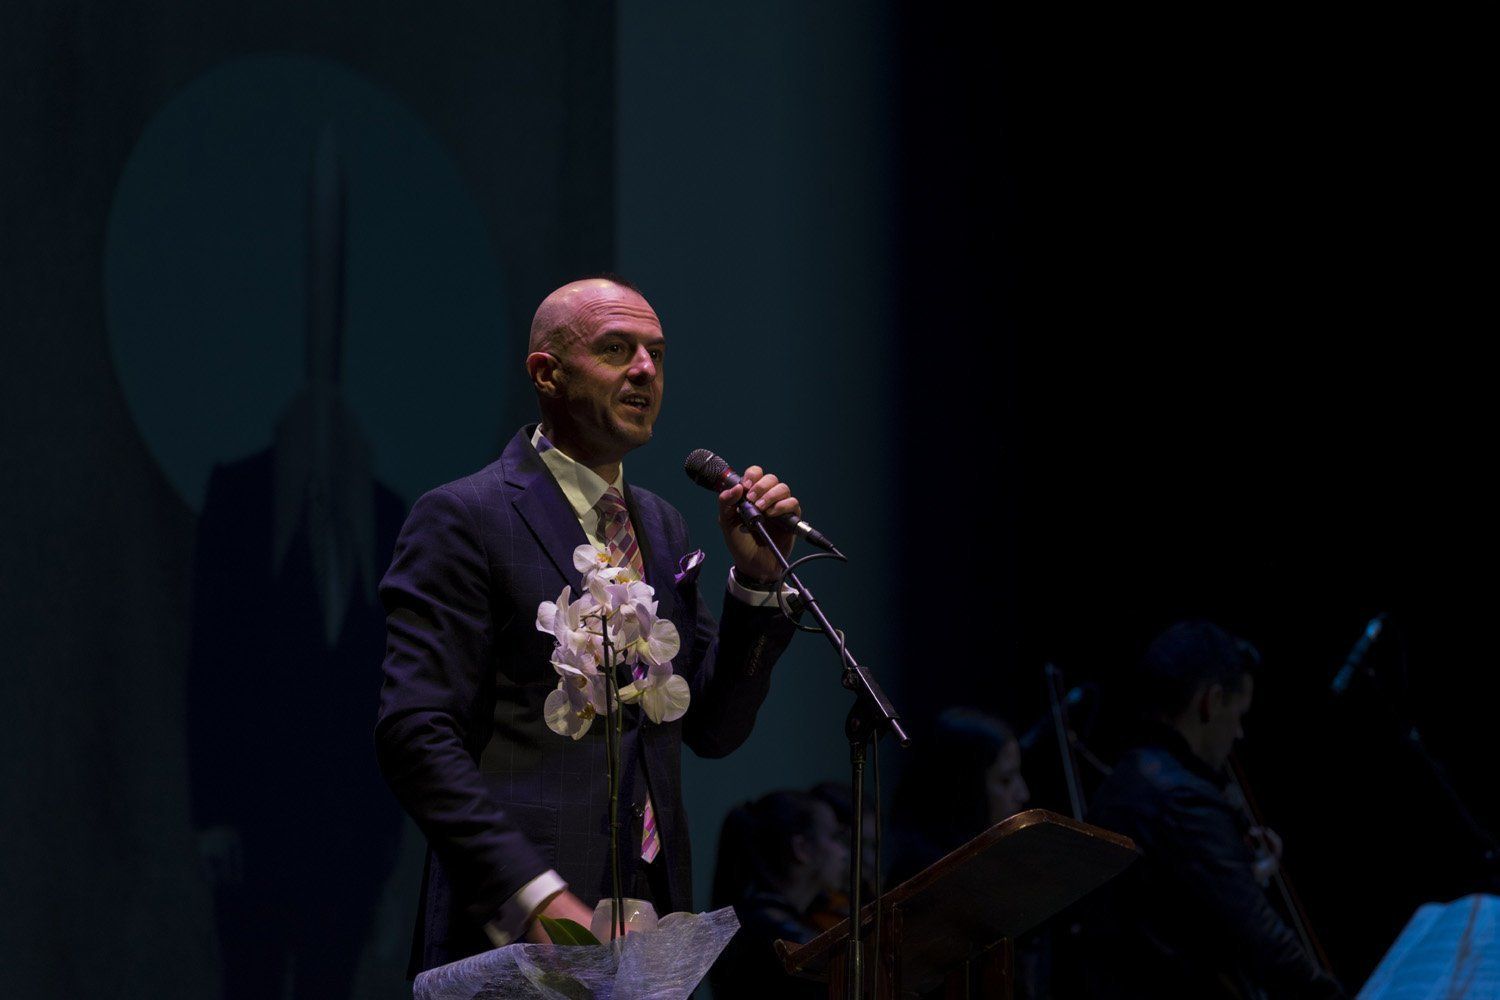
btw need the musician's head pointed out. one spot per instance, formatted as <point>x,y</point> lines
<point>964,777</point>
<point>789,842</point>
<point>840,798</point>
<point>595,360</point>
<point>1199,679</point>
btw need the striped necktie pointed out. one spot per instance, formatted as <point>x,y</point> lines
<point>619,536</point>
<point>624,550</point>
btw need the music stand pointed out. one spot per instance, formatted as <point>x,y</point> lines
<point>966,909</point>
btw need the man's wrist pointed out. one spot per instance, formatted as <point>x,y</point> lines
<point>519,910</point>
<point>760,596</point>
<point>753,582</point>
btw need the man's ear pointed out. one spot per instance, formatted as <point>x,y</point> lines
<point>545,372</point>
<point>1210,697</point>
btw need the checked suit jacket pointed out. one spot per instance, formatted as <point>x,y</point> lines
<point>460,733</point>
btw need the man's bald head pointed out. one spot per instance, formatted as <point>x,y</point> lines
<point>595,362</point>
<point>565,315</point>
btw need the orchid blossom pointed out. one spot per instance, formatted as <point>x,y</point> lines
<point>663,695</point>
<point>612,601</point>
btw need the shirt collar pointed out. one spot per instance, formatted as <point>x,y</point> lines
<point>580,484</point>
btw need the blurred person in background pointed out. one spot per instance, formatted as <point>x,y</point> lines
<point>830,908</point>
<point>777,856</point>
<point>1191,918</point>
<point>963,779</point>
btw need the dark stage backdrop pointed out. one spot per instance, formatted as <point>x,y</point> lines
<point>1191,298</point>
<point>154,270</point>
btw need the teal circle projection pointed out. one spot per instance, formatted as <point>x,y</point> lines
<point>205,272</point>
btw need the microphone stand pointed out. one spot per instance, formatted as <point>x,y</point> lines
<point>1411,736</point>
<point>871,717</point>
<point>1490,849</point>
<point>1057,701</point>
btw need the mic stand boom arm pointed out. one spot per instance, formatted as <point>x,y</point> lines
<point>871,717</point>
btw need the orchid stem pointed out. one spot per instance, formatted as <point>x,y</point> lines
<point>612,756</point>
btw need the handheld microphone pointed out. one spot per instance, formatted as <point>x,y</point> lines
<point>1342,679</point>
<point>713,473</point>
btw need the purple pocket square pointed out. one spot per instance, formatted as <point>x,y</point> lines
<point>688,567</point>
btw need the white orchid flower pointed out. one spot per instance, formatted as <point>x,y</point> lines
<point>565,621</point>
<point>610,586</point>
<point>599,592</point>
<point>664,696</point>
<point>622,592</point>
<point>589,558</point>
<point>623,607</point>
<point>559,617</point>
<point>546,612</point>
<point>569,711</point>
<point>578,661</point>
<point>652,639</point>
<point>580,694</point>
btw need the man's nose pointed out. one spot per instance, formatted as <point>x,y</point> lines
<point>642,366</point>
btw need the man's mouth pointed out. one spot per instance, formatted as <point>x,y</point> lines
<point>637,401</point>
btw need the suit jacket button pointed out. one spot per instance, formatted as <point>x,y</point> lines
<point>640,812</point>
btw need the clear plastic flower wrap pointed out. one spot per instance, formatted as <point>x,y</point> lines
<point>667,963</point>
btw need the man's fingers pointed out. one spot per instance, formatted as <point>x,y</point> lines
<point>762,488</point>
<point>769,495</point>
<point>789,505</point>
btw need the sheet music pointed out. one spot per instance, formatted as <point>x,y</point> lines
<point>1447,951</point>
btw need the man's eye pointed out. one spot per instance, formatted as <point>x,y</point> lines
<point>656,355</point>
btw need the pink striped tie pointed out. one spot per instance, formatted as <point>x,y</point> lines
<point>619,536</point>
<point>619,539</point>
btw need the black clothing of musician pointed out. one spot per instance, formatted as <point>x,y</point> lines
<point>1189,919</point>
<point>749,969</point>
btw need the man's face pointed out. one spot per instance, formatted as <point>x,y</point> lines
<point>1225,718</point>
<point>610,375</point>
<point>1004,786</point>
<point>827,848</point>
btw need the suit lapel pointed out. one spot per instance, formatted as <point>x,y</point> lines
<point>541,504</point>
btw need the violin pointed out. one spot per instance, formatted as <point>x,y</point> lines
<point>1268,849</point>
<point>829,911</point>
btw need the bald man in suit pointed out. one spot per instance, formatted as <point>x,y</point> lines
<point>516,816</point>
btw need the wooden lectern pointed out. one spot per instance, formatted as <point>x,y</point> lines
<point>965,910</point>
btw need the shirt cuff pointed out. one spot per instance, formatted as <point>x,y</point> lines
<point>517,913</point>
<point>757,598</point>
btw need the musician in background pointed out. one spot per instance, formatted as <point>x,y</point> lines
<point>963,778</point>
<point>831,908</point>
<point>777,856</point>
<point>1191,918</point>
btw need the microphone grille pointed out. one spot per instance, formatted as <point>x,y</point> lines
<point>706,469</point>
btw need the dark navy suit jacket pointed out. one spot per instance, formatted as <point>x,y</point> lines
<point>460,733</point>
